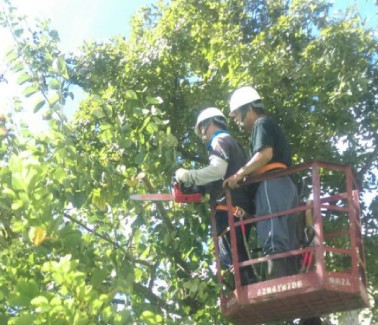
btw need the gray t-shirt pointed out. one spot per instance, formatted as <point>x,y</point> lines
<point>267,133</point>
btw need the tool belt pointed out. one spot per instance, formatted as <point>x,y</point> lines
<point>269,167</point>
<point>236,211</point>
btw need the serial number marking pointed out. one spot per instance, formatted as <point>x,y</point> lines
<point>340,282</point>
<point>280,288</point>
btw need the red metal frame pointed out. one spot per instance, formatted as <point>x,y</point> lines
<point>319,291</point>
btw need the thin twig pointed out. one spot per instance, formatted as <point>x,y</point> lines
<point>106,238</point>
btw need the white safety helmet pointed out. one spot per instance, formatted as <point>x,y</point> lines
<point>207,113</point>
<point>242,96</point>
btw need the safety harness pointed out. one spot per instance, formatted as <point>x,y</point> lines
<point>240,212</point>
<point>269,167</point>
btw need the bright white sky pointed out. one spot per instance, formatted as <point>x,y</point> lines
<point>77,21</point>
<point>85,19</point>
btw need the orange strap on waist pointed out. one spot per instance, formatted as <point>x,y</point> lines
<point>236,211</point>
<point>269,167</point>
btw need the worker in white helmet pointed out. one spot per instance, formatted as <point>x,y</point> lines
<point>269,151</point>
<point>225,158</point>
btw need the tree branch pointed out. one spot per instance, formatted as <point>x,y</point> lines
<point>162,304</point>
<point>106,238</point>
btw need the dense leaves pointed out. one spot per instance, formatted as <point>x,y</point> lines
<point>74,248</point>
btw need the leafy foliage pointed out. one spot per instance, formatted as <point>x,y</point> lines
<point>74,248</point>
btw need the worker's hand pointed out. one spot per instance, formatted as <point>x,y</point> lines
<point>182,175</point>
<point>232,181</point>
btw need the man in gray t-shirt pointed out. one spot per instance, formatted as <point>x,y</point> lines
<point>269,151</point>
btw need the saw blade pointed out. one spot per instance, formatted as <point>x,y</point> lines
<point>152,197</point>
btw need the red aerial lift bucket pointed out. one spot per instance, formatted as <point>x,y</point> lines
<point>333,278</point>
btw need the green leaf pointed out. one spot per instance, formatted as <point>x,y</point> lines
<point>151,318</point>
<point>59,174</point>
<point>98,112</point>
<point>62,67</point>
<point>24,78</point>
<point>139,158</point>
<point>192,285</point>
<point>9,192</point>
<point>55,84</point>
<point>98,277</point>
<point>151,128</point>
<point>154,100</point>
<point>18,32</point>
<point>27,287</point>
<point>54,99</point>
<point>19,301</point>
<point>80,318</point>
<point>78,278</point>
<point>30,90</point>
<point>18,204</point>
<point>17,67</point>
<point>72,239</point>
<point>26,290</point>
<point>54,34</point>
<point>97,304</point>
<point>145,122</point>
<point>47,115</point>
<point>24,320</point>
<point>11,55</point>
<point>130,94</point>
<point>19,226</point>
<point>122,317</point>
<point>39,105</point>
<point>40,300</point>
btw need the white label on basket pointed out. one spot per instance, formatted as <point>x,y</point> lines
<point>280,288</point>
<point>340,282</point>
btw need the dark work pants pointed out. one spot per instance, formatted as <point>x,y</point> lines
<point>278,234</point>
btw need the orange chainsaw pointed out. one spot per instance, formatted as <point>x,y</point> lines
<point>180,193</point>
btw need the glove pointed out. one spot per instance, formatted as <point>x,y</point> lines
<point>182,175</point>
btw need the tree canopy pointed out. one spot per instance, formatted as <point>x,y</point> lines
<point>74,248</point>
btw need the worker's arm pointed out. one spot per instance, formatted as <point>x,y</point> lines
<point>258,160</point>
<point>213,172</point>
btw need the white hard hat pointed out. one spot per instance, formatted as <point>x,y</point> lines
<point>242,96</point>
<point>206,114</point>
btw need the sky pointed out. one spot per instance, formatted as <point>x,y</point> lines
<point>77,21</point>
<point>101,19</point>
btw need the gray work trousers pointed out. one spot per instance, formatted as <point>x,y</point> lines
<point>278,234</point>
